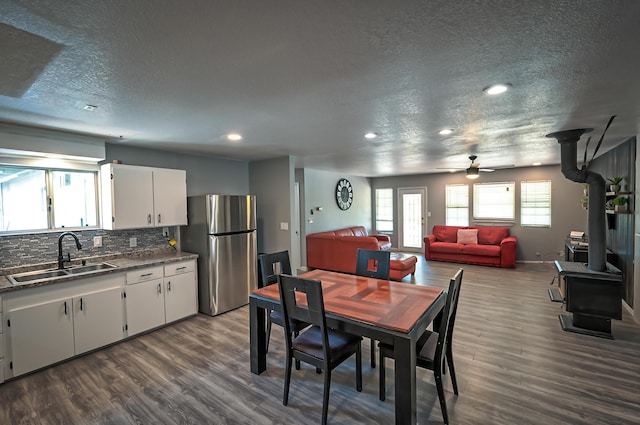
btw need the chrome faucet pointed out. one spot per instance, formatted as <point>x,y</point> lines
<point>61,259</point>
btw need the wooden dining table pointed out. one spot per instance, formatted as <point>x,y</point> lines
<point>391,312</point>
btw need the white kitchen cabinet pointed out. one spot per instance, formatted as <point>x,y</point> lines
<point>137,197</point>
<point>181,290</point>
<point>169,197</point>
<point>41,334</point>
<point>144,300</point>
<point>1,346</point>
<point>97,319</point>
<point>46,324</point>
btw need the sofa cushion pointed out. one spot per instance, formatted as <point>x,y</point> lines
<point>492,235</point>
<point>344,232</point>
<point>468,236</point>
<point>447,247</point>
<point>446,233</point>
<point>359,231</point>
<point>483,250</point>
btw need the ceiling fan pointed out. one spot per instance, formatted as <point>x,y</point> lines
<point>473,171</point>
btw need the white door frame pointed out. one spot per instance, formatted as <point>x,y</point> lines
<point>411,190</point>
<point>295,231</point>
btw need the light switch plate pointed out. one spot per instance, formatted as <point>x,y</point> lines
<point>284,225</point>
<point>133,242</point>
<point>97,241</point>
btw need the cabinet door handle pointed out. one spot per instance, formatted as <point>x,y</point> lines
<point>159,219</point>
<point>181,268</point>
<point>149,219</point>
<point>146,274</point>
<point>81,306</point>
<point>65,308</point>
<point>159,288</point>
<point>169,286</point>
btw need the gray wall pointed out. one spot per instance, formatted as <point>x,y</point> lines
<point>272,183</point>
<point>204,174</point>
<point>567,214</point>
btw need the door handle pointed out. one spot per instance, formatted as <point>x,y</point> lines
<point>159,218</point>
<point>159,288</point>
<point>169,286</point>
<point>65,308</point>
<point>81,304</point>
<point>149,219</point>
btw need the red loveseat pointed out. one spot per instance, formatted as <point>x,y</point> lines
<point>336,250</point>
<point>494,245</point>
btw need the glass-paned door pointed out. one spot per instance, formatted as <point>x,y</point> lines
<point>413,211</point>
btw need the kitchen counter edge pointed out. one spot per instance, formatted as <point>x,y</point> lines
<point>124,263</point>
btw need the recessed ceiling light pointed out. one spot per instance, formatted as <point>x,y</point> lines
<point>497,89</point>
<point>445,131</point>
<point>535,164</point>
<point>370,135</point>
<point>90,108</point>
<point>234,137</point>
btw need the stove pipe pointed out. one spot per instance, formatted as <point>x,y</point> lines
<point>568,139</point>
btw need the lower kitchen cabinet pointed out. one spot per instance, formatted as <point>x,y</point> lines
<point>44,325</point>
<point>97,319</point>
<point>153,300</point>
<point>41,334</point>
<point>181,291</point>
<point>145,306</point>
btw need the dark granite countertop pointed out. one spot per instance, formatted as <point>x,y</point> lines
<point>124,263</point>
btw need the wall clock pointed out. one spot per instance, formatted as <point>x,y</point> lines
<point>344,194</point>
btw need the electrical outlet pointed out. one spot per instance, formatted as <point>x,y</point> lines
<point>537,254</point>
<point>133,242</point>
<point>97,241</point>
<point>165,232</point>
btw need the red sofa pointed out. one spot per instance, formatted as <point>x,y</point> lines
<point>336,250</point>
<point>494,247</point>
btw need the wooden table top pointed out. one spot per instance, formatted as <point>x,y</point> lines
<point>392,305</point>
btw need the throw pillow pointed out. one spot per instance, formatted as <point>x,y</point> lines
<point>468,236</point>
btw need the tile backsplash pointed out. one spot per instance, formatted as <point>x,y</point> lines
<point>18,250</point>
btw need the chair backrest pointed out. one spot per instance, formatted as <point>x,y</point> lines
<point>448,317</point>
<point>306,308</point>
<point>270,265</point>
<point>373,263</point>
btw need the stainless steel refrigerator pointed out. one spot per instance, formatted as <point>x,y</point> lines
<point>222,230</point>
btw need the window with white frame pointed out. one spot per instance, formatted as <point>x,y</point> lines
<point>494,201</point>
<point>535,203</point>
<point>457,205</point>
<point>384,210</point>
<point>34,199</point>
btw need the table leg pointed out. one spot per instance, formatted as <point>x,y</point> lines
<point>405,371</point>
<point>257,338</point>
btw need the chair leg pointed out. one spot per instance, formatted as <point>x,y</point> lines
<point>359,368</point>
<point>295,334</point>
<point>325,395</point>
<point>443,402</point>
<point>287,380</point>
<point>452,370</point>
<point>373,353</point>
<point>381,389</point>
<point>268,331</point>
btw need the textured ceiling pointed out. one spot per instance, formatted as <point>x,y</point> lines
<point>309,78</point>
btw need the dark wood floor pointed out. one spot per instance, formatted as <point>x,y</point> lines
<point>515,366</point>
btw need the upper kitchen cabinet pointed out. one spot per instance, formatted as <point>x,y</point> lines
<point>134,197</point>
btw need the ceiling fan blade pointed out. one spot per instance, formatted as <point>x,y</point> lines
<point>487,170</point>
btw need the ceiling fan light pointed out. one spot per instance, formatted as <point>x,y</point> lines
<point>473,173</point>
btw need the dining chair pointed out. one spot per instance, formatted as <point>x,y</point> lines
<point>375,264</point>
<point>318,345</point>
<point>270,265</point>
<point>434,348</point>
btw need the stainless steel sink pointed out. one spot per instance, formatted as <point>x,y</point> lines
<point>55,273</point>
<point>90,268</point>
<point>37,275</point>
